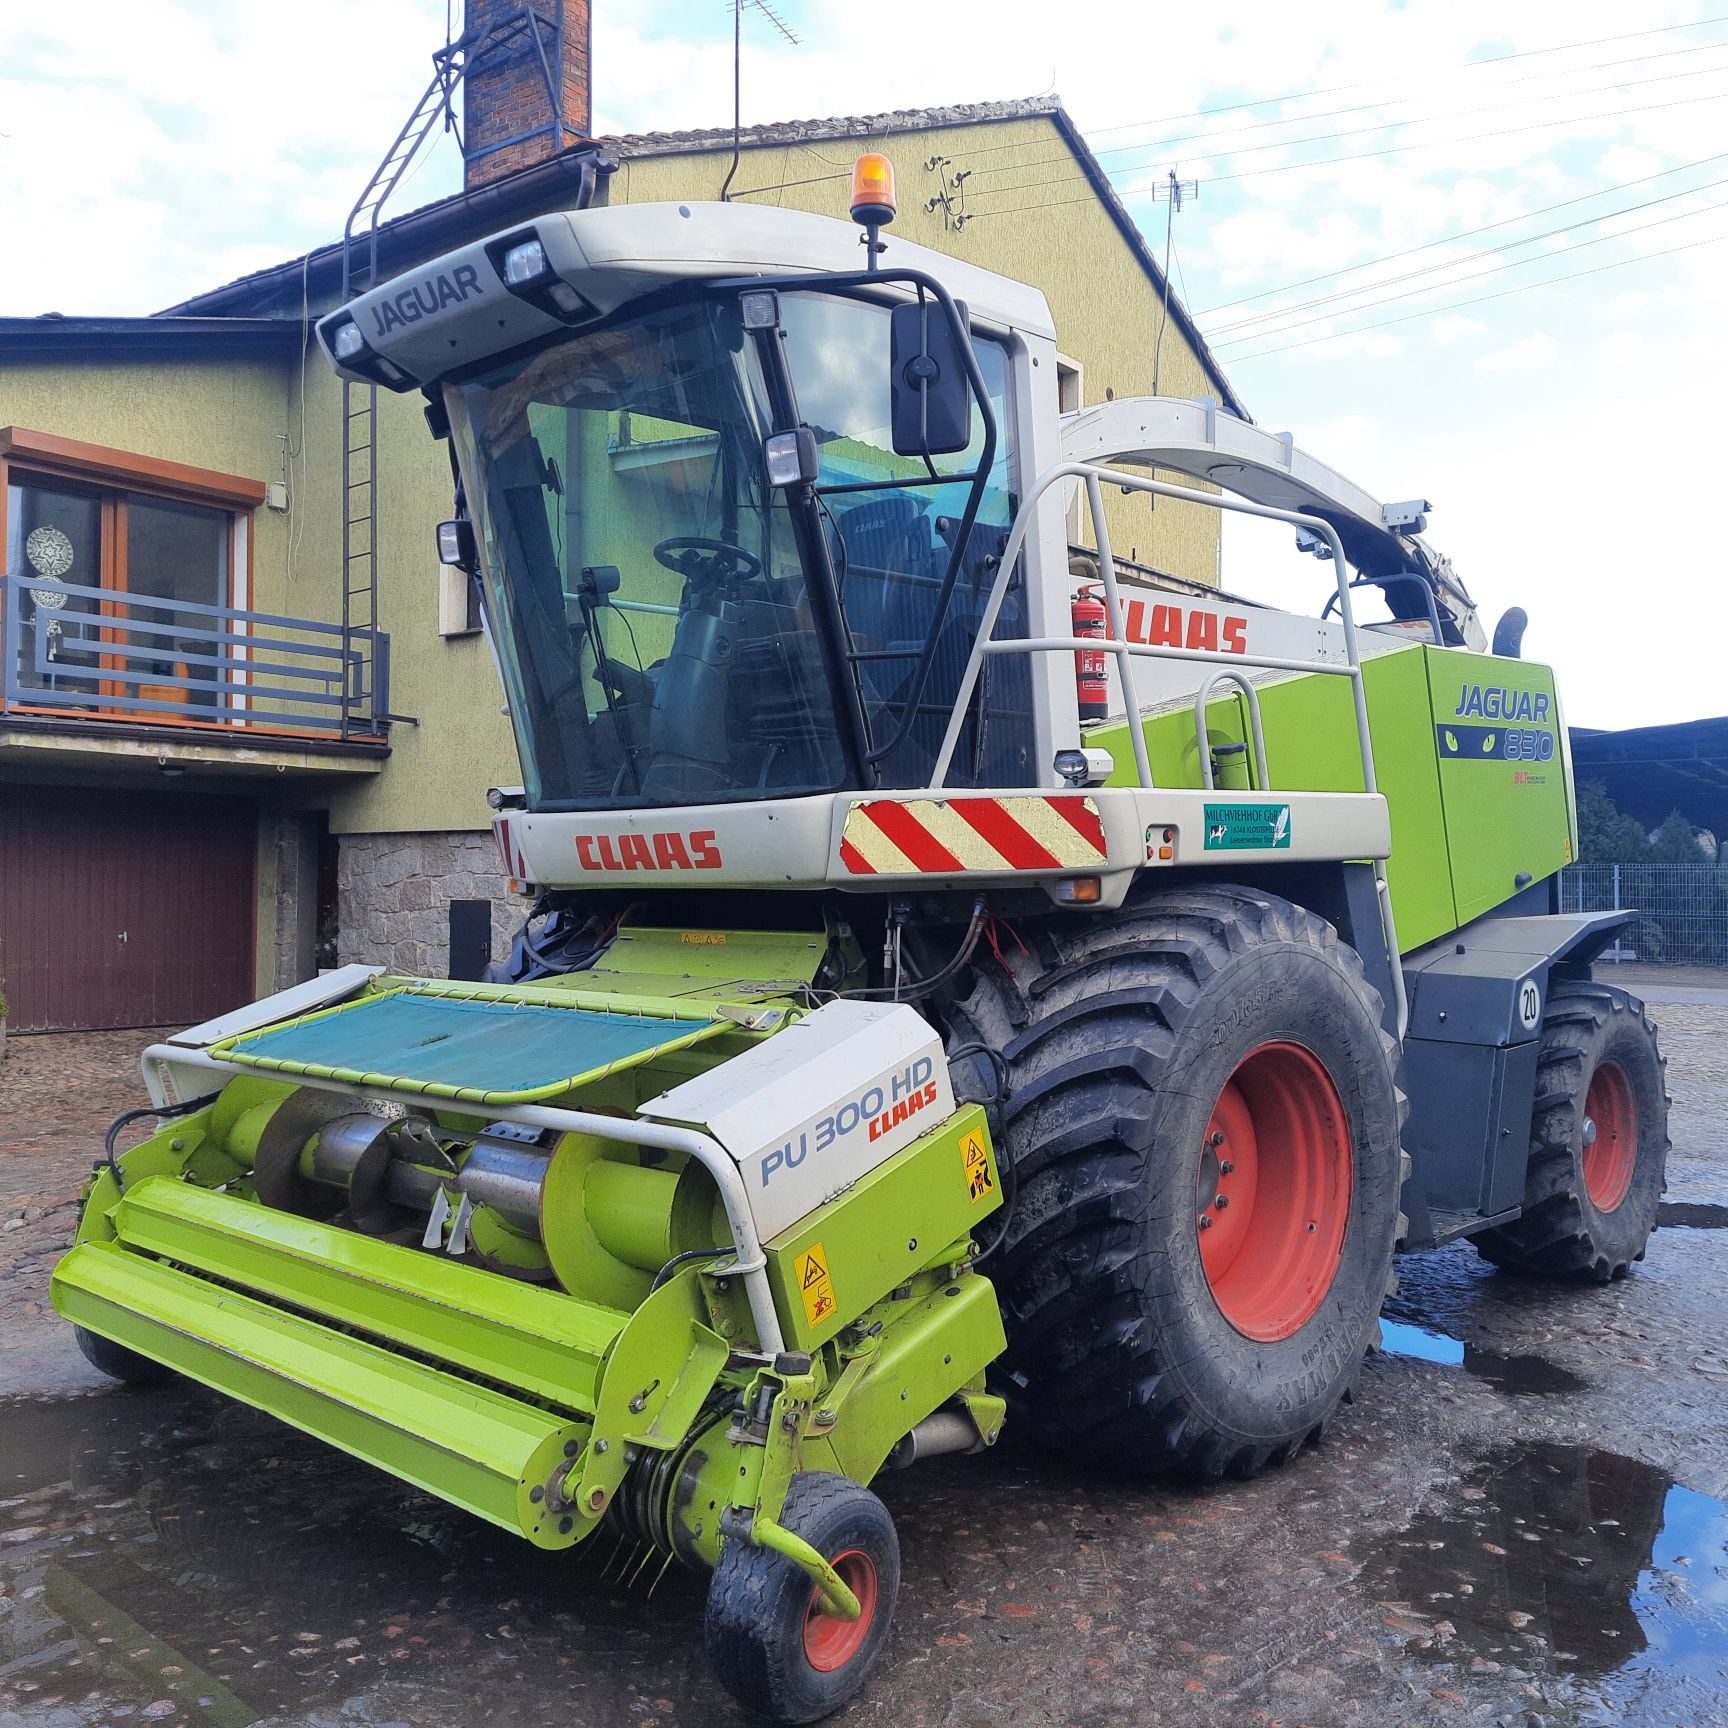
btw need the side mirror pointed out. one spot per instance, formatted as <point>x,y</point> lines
<point>931,393</point>
<point>456,544</point>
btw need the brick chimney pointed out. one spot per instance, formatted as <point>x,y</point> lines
<point>510,119</point>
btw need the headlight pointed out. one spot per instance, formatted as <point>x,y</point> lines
<point>347,342</point>
<point>790,457</point>
<point>524,262</point>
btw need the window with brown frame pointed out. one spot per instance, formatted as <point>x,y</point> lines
<point>118,566</point>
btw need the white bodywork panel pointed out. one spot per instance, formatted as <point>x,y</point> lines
<point>808,1112</point>
<point>1188,621</point>
<point>457,305</point>
<point>798,842</point>
<point>1200,440</point>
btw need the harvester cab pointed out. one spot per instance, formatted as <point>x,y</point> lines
<point>914,894</point>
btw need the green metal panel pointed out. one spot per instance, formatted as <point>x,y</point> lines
<point>928,1353</point>
<point>1503,778</point>
<point>896,1221</point>
<point>547,1345</point>
<point>465,1443</point>
<point>695,969</point>
<point>1310,726</point>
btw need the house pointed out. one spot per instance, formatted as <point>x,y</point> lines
<point>248,721</point>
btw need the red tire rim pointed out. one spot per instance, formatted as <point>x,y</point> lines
<point>1610,1136</point>
<point>1274,1188</point>
<point>830,1640</point>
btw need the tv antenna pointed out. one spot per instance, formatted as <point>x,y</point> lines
<point>739,8</point>
<point>1173,191</point>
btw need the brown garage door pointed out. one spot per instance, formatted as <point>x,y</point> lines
<point>124,908</point>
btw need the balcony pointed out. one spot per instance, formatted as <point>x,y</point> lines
<point>137,674</point>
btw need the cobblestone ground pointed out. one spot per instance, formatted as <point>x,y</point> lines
<point>58,1093</point>
<point>1521,1522</point>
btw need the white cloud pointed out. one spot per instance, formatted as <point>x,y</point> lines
<point>156,149</point>
<point>1452,327</point>
<point>1522,355</point>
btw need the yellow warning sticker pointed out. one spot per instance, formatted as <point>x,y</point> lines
<point>976,1159</point>
<point>705,938</point>
<point>814,1284</point>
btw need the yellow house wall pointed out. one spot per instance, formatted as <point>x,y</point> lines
<point>227,414</point>
<point>439,768</point>
<point>1059,238</point>
<point>233,415</point>
<point>1106,316</point>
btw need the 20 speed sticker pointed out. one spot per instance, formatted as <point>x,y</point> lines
<point>814,1284</point>
<point>977,1162</point>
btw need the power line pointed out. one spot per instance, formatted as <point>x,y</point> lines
<point>1161,144</point>
<point>1262,318</point>
<point>1363,155</point>
<point>1362,131</point>
<point>1290,96</point>
<point>1466,234</point>
<point>1360,84</point>
<point>1482,299</point>
<point>1475,275</point>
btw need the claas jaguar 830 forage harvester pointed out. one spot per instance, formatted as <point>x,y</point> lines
<point>950,984</point>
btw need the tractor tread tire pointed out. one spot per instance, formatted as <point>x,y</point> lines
<point>1560,1233</point>
<point>1089,1012</point>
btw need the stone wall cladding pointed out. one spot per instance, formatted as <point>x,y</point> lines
<point>394,892</point>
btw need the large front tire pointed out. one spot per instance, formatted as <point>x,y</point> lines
<point>1202,1044</point>
<point>1598,1141</point>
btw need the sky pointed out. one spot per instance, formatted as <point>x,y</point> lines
<point>1389,196</point>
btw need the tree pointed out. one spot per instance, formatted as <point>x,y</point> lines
<point>1605,836</point>
<point>1675,843</point>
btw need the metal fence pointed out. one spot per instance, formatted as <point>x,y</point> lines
<point>1682,909</point>
<point>99,652</point>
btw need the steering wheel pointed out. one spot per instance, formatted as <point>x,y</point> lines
<point>702,561</point>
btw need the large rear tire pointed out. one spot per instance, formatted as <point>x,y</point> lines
<point>1598,1141</point>
<point>1203,1117</point>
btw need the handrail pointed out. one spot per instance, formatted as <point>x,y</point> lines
<point>155,658</point>
<point>1261,779</point>
<point>1093,476</point>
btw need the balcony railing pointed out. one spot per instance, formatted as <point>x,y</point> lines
<point>101,653</point>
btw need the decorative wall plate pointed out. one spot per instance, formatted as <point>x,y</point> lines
<point>50,555</point>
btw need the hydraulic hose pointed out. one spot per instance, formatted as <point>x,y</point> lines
<point>161,1111</point>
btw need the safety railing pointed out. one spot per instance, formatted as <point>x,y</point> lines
<point>1115,643</point>
<point>103,653</point>
<point>1259,775</point>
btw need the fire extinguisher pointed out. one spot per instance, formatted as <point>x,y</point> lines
<point>1090,684</point>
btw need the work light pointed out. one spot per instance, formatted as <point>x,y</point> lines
<point>525,262</point>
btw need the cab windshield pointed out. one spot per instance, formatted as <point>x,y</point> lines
<point>650,595</point>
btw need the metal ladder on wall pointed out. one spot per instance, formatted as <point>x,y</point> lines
<point>360,401</point>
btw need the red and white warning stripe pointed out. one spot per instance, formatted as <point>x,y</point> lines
<point>949,837</point>
<point>510,849</point>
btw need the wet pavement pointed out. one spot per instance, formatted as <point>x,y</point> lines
<point>1522,1520</point>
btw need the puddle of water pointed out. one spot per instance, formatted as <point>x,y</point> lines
<point>1562,1560</point>
<point>1398,1338</point>
<point>171,1549</point>
<point>1692,1215</point>
<point>1518,1376</point>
